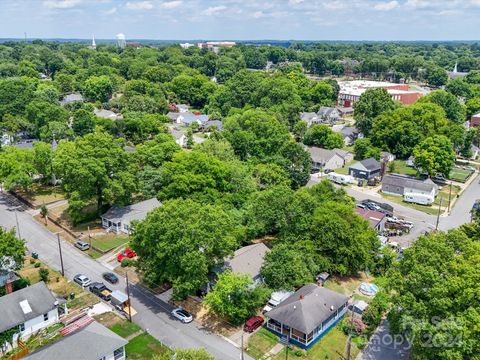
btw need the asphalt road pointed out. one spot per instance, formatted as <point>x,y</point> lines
<point>383,346</point>
<point>153,314</point>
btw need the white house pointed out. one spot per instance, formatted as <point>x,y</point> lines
<point>92,342</point>
<point>118,219</point>
<point>400,185</point>
<point>180,137</point>
<point>324,159</point>
<point>29,310</point>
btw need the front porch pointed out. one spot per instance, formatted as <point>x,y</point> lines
<point>301,339</point>
<point>111,226</point>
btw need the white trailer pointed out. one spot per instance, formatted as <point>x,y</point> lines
<point>422,199</point>
<point>340,178</point>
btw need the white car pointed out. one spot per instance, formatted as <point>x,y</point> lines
<point>82,280</point>
<point>182,315</point>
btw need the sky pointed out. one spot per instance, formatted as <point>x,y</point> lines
<point>242,19</point>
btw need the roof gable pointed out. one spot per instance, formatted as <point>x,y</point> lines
<point>136,211</point>
<point>248,259</point>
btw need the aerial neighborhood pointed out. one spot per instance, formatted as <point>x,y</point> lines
<point>245,199</point>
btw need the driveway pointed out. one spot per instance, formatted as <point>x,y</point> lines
<point>153,314</point>
<point>383,346</point>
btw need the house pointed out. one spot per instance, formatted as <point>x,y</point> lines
<point>107,114</point>
<point>71,98</point>
<point>248,260</point>
<point>475,120</point>
<point>173,115</point>
<point>387,156</point>
<point>396,184</point>
<point>350,134</point>
<point>7,277</point>
<point>366,169</point>
<point>307,315</point>
<point>345,154</point>
<point>323,159</point>
<point>188,118</point>
<point>30,309</point>
<point>118,219</point>
<point>329,115</point>
<point>376,219</point>
<point>180,137</point>
<point>359,307</point>
<point>345,111</point>
<point>182,108</point>
<point>91,342</point>
<point>213,125</point>
<point>310,118</point>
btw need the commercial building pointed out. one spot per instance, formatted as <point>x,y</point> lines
<point>350,91</point>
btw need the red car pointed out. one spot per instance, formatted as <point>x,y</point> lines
<point>253,323</point>
<point>126,254</point>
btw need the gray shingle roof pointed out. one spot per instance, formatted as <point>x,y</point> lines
<point>308,116</point>
<point>40,300</point>
<point>89,343</point>
<point>320,155</point>
<point>71,98</point>
<point>403,181</point>
<point>307,308</point>
<point>136,211</point>
<point>369,164</point>
<point>248,259</point>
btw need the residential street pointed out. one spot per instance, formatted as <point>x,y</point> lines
<point>152,314</point>
<point>382,346</point>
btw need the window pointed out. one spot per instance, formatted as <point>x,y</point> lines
<point>125,226</point>
<point>118,354</point>
<point>45,317</point>
<point>22,327</point>
<point>102,358</point>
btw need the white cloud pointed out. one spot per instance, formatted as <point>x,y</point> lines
<point>171,4</point>
<point>139,5</point>
<point>295,2</point>
<point>386,6</point>
<point>418,4</point>
<point>111,11</point>
<point>61,4</point>
<point>334,5</point>
<point>213,10</point>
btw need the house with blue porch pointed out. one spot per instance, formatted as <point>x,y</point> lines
<point>307,315</point>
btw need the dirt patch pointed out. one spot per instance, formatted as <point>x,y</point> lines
<point>109,319</point>
<point>133,276</point>
<point>208,320</point>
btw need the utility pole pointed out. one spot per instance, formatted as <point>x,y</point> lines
<point>242,346</point>
<point>60,251</point>
<point>286,352</point>
<point>128,297</point>
<point>449,196</point>
<point>438,214</point>
<point>89,237</point>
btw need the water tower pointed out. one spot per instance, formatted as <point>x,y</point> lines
<point>121,43</point>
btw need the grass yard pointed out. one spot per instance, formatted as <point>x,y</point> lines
<point>144,347</point>
<point>349,285</point>
<point>400,167</point>
<point>333,346</point>
<point>344,170</point>
<point>125,328</point>
<point>432,210</point>
<point>261,342</point>
<point>39,194</point>
<point>460,175</point>
<point>106,242</point>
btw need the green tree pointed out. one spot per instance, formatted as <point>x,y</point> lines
<point>322,136</point>
<point>300,270</point>
<point>12,249</point>
<point>364,149</point>
<point>95,167</point>
<point>83,122</point>
<point>98,88</point>
<point>435,155</point>
<point>454,111</point>
<point>436,76</point>
<point>16,168</point>
<point>42,160</point>
<point>372,103</point>
<point>15,94</point>
<point>473,106</point>
<point>234,298</point>
<point>184,255</point>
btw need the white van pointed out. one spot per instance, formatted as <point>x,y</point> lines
<point>340,178</point>
<point>276,298</point>
<point>422,199</point>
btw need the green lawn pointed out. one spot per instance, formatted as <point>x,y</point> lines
<point>144,347</point>
<point>432,210</point>
<point>344,170</point>
<point>332,346</point>
<point>400,167</point>
<point>109,241</point>
<point>261,342</point>
<point>460,175</point>
<point>125,328</point>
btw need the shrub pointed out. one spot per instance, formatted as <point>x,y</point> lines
<point>37,265</point>
<point>32,261</point>
<point>43,273</point>
<point>20,284</point>
<point>126,262</point>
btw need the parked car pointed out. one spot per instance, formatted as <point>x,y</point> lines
<point>100,290</point>
<point>182,315</point>
<point>110,277</point>
<point>126,254</point>
<point>82,280</point>
<point>82,245</point>
<point>361,206</point>
<point>253,323</point>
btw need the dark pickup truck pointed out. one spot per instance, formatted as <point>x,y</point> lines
<point>101,290</point>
